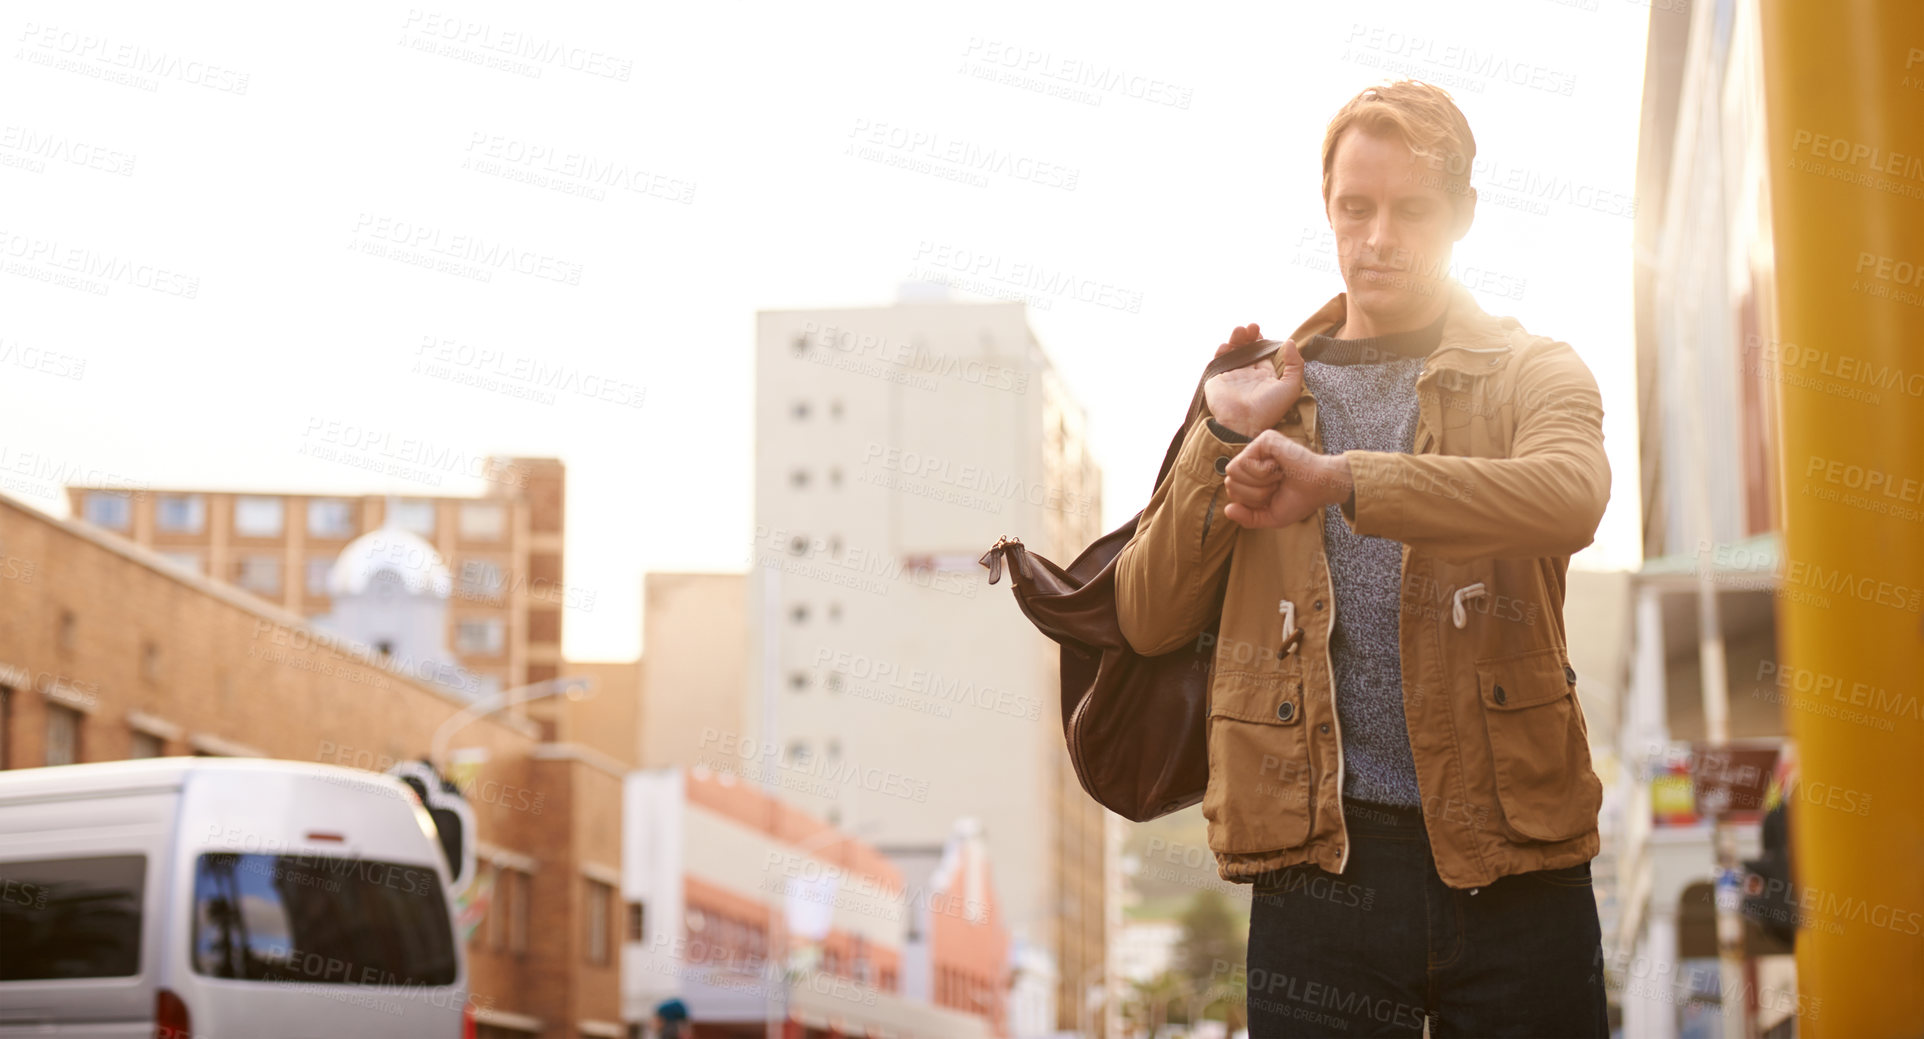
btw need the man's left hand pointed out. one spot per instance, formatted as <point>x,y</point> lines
<point>1276,481</point>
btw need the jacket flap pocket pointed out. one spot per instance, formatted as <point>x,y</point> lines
<point>1250,696</point>
<point>1526,680</point>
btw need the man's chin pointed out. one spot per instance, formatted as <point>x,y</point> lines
<point>1391,309</point>
<point>1385,300</point>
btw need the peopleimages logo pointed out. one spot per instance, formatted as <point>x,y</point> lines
<point>90,270</point>
<point>538,51</point>
<point>1064,76</point>
<point>911,360</point>
<point>1022,281</point>
<point>93,55</point>
<point>978,480</point>
<point>484,255</point>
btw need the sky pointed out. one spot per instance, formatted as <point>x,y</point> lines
<point>360,248</point>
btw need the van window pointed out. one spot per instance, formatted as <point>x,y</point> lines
<point>320,921</point>
<point>71,918</point>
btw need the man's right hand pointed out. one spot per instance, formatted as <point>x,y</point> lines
<point>1254,397</point>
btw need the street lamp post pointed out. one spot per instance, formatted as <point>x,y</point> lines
<point>575,689</point>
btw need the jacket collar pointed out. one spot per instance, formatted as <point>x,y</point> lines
<point>1474,342</point>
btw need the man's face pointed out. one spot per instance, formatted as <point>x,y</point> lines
<point>1394,225</point>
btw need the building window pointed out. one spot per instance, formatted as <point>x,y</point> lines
<point>834,611</point>
<point>797,545</point>
<point>798,681</point>
<point>479,635</point>
<point>330,518</point>
<point>144,745</point>
<point>798,479</point>
<point>834,476</point>
<point>259,574</point>
<point>798,613</point>
<point>833,681</point>
<point>637,922</point>
<point>63,735</point>
<point>192,562</point>
<point>180,513</point>
<point>482,521</point>
<point>414,515</point>
<point>799,410</point>
<point>258,517</point>
<point>150,661</point>
<point>798,754</point>
<point>110,509</point>
<point>317,570</point>
<point>600,904</point>
<point>835,408</point>
<point>65,630</point>
<point>481,579</point>
<point>523,887</point>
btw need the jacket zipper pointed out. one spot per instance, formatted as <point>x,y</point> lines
<point>1329,674</point>
<point>1342,825</point>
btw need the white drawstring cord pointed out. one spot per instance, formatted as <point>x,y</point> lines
<point>1288,610</point>
<point>1468,591</point>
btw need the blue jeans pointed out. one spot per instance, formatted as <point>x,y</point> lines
<point>1385,945</point>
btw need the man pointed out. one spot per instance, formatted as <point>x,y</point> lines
<point>671,1019</point>
<point>1380,517</point>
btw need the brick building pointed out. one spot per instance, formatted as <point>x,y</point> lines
<point>750,910</point>
<point>108,652</point>
<point>504,550</point>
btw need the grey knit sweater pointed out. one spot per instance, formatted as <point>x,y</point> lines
<point>1366,401</point>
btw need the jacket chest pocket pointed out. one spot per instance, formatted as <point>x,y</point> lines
<point>1258,797</point>
<point>1539,746</point>
<point>1470,416</point>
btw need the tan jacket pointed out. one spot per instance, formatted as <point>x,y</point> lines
<point>1507,478</point>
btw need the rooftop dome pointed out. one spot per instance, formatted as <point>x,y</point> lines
<point>389,550</point>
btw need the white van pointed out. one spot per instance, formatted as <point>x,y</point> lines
<point>223,898</point>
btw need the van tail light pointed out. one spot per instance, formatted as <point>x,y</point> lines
<point>171,1020</point>
<point>469,1030</point>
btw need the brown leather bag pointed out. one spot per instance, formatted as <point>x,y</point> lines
<point>1135,725</point>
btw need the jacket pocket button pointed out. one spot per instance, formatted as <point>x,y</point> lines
<point>1570,674</point>
<point>1323,728</point>
<point>1498,696</point>
<point>1222,464</point>
<point>1286,710</point>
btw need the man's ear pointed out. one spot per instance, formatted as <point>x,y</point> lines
<point>1465,213</point>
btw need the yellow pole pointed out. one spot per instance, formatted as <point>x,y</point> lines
<point>1844,87</point>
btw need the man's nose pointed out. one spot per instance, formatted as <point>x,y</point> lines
<point>1379,245</point>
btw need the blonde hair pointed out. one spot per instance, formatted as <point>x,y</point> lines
<point>1420,115</point>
